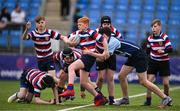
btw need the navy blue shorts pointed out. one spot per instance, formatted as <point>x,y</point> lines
<point>110,63</point>
<point>139,61</point>
<point>161,67</point>
<point>46,65</point>
<point>88,62</point>
<point>26,84</point>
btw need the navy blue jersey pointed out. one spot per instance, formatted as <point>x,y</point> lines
<point>122,47</point>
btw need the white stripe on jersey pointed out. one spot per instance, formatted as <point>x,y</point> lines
<point>40,36</point>
<point>32,74</point>
<point>98,37</point>
<point>84,35</point>
<point>167,44</point>
<point>43,50</point>
<point>159,59</point>
<point>42,43</point>
<point>36,90</point>
<point>38,56</point>
<point>158,55</point>
<point>157,48</point>
<point>87,43</point>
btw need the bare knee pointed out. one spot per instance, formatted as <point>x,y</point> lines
<point>142,82</point>
<point>110,79</point>
<point>121,77</point>
<point>21,95</point>
<point>101,79</point>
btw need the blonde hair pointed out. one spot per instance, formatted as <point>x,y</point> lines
<point>156,21</point>
<point>84,20</point>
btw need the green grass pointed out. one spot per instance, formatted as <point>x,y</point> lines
<point>7,88</point>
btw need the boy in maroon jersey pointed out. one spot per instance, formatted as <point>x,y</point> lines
<point>31,83</point>
<point>158,47</point>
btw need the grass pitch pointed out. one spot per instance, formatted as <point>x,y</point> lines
<point>7,88</point>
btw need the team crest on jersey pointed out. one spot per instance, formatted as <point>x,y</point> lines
<point>160,43</point>
<point>47,38</point>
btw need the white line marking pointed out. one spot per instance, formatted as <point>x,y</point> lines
<point>133,96</point>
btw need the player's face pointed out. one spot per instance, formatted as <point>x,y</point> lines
<point>41,25</point>
<point>82,26</point>
<point>156,29</point>
<point>68,59</point>
<point>106,25</point>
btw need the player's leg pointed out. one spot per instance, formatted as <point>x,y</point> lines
<point>166,84</point>
<point>85,82</point>
<point>165,75</point>
<point>100,78</point>
<point>24,85</point>
<point>110,81</point>
<point>78,64</point>
<point>63,79</point>
<point>110,69</point>
<point>152,87</point>
<point>125,70</point>
<point>151,78</point>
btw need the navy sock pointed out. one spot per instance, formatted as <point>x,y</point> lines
<point>70,87</point>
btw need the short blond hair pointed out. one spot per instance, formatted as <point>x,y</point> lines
<point>84,20</point>
<point>158,21</point>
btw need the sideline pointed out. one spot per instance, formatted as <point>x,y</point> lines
<point>133,96</point>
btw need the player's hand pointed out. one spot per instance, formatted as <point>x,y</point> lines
<point>83,95</point>
<point>72,43</point>
<point>86,51</point>
<point>28,25</point>
<point>160,51</point>
<point>106,54</point>
<point>52,101</point>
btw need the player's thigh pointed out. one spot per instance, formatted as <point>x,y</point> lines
<point>125,70</point>
<point>101,74</point>
<point>76,65</point>
<point>151,77</point>
<point>84,75</point>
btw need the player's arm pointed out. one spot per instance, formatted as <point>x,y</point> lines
<point>55,93</point>
<point>106,51</point>
<point>94,54</point>
<point>38,100</point>
<point>25,33</point>
<point>67,41</point>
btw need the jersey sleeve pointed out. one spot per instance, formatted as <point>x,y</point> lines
<point>98,37</point>
<point>167,43</point>
<point>37,92</point>
<point>29,35</point>
<point>118,34</point>
<point>113,45</point>
<point>55,35</point>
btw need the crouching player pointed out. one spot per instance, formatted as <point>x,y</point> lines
<point>64,59</point>
<point>31,83</point>
<point>136,59</point>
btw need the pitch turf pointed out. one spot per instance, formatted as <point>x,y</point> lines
<point>7,88</point>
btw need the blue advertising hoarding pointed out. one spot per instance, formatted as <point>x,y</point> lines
<point>11,67</point>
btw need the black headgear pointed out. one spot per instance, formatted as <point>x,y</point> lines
<point>105,19</point>
<point>48,81</point>
<point>67,52</point>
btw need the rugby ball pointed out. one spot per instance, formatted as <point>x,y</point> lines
<point>75,38</point>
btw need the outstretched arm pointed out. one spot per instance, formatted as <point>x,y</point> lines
<point>38,100</point>
<point>25,33</point>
